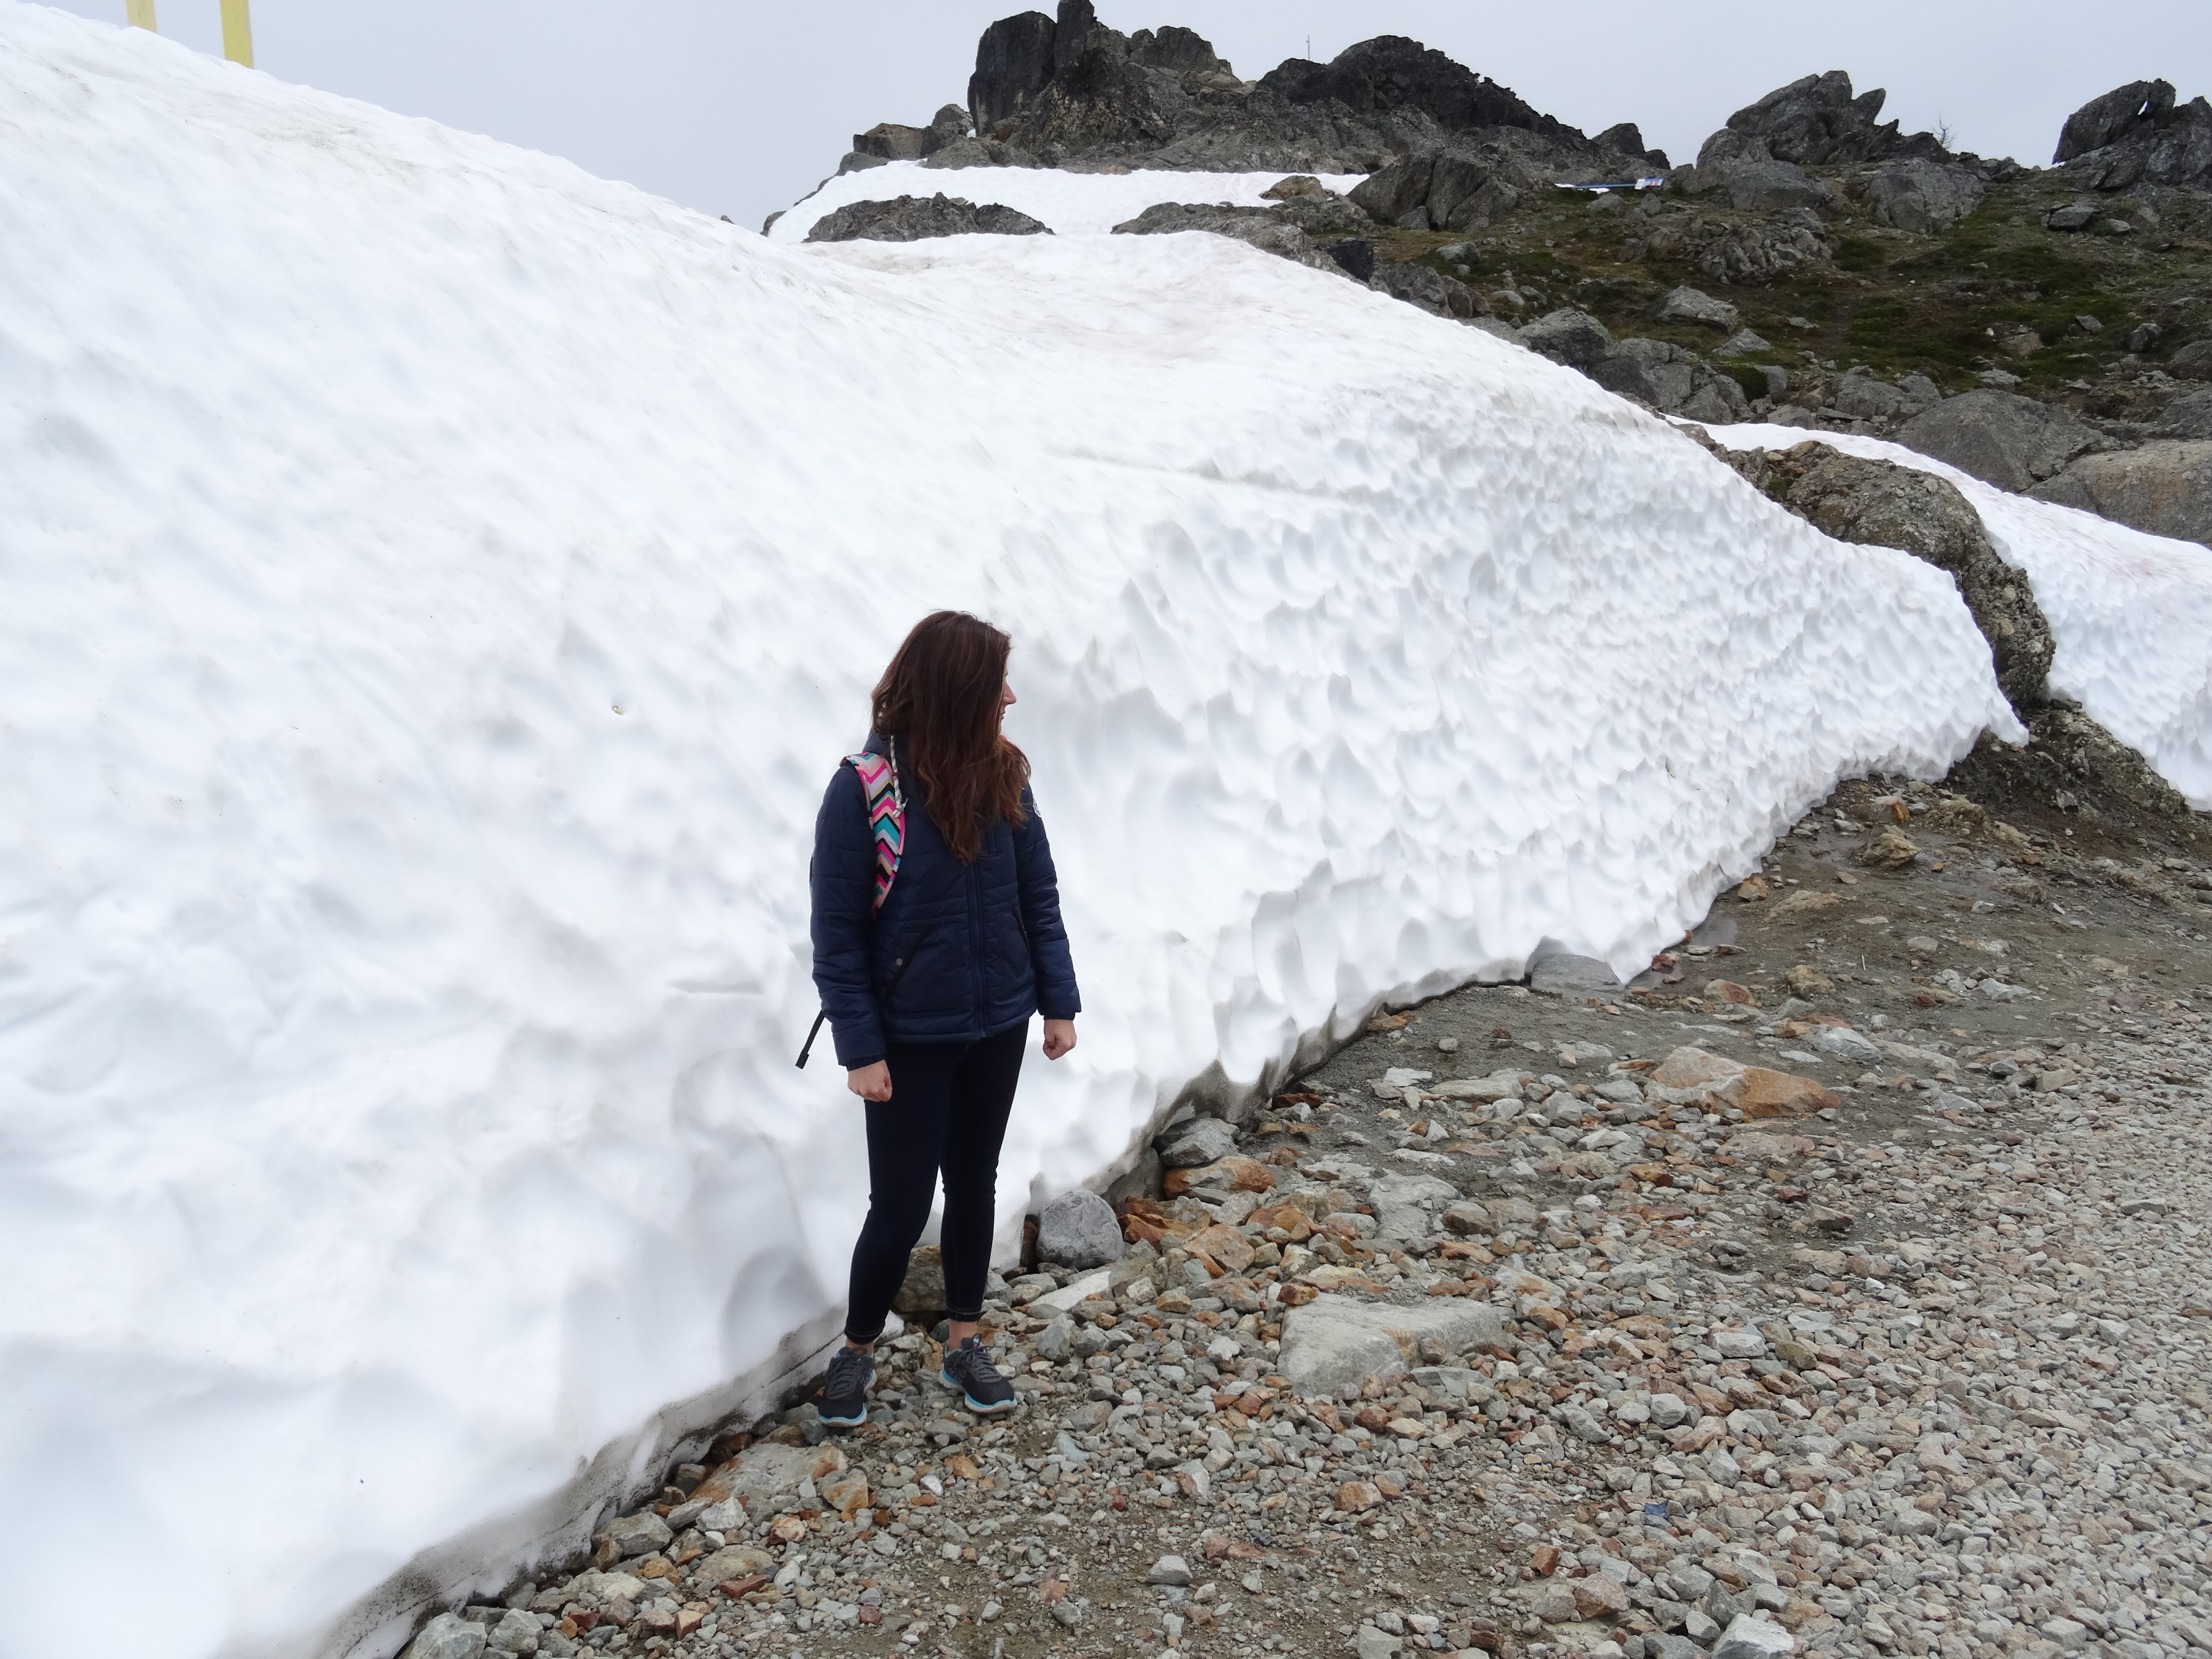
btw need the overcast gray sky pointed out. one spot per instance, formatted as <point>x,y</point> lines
<point>737,107</point>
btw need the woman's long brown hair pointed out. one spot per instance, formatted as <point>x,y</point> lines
<point>940,698</point>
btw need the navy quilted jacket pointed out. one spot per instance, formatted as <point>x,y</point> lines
<point>987,944</point>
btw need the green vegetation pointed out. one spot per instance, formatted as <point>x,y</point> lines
<point>1945,306</point>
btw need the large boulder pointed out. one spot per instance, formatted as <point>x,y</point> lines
<point>1408,1207</point>
<point>1570,336</point>
<point>1079,1230</point>
<point>915,218</point>
<point>2001,438</point>
<point>1333,1342</point>
<point>1691,305</point>
<point>1432,290</point>
<point>888,141</point>
<point>2189,416</point>
<point>1913,193</point>
<point>2165,487</point>
<point>1672,379</point>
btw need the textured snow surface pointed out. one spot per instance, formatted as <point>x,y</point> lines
<point>440,585</point>
<point>1072,204</point>
<point>2131,613</point>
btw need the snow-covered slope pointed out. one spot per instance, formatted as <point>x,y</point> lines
<point>440,585</point>
<point>1072,204</point>
<point>2131,613</point>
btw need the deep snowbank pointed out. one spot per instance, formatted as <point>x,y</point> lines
<point>1072,204</point>
<point>2131,612</point>
<point>440,584</point>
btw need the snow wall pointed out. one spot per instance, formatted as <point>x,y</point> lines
<point>2130,613</point>
<point>1071,203</point>
<point>439,586</point>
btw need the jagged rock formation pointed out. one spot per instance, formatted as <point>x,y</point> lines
<point>916,218</point>
<point>2134,134</point>
<point>1052,90</point>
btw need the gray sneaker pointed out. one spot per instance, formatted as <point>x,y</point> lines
<point>844,1391</point>
<point>969,1369</point>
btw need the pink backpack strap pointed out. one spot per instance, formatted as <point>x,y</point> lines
<point>886,816</point>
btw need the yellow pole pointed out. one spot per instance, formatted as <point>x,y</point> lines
<point>237,31</point>
<point>140,13</point>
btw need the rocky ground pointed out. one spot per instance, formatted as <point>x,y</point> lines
<point>1839,1285</point>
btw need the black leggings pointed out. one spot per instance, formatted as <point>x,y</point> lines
<point>948,1110</point>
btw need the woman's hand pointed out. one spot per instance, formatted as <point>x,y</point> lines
<point>1059,1037</point>
<point>874,1082</point>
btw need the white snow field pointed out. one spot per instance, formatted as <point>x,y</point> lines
<point>440,585</point>
<point>1072,204</point>
<point>2130,613</point>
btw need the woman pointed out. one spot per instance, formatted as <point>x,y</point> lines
<point>929,984</point>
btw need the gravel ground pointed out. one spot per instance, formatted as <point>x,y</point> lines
<point>1840,1287</point>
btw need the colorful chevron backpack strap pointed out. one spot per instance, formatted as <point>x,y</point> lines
<point>886,816</point>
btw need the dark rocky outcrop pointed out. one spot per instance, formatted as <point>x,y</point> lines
<point>1013,64</point>
<point>889,141</point>
<point>2116,115</point>
<point>2136,134</point>
<point>2164,488</point>
<point>1671,379</point>
<point>917,218</point>
<point>1052,90</point>
<point>2001,438</point>
<point>1391,72</point>
<point>1818,121</point>
<point>1882,504</point>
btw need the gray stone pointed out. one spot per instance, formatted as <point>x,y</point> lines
<point>448,1636</point>
<point>2192,362</point>
<point>1844,1044</point>
<point>1432,290</point>
<point>1757,185</point>
<point>922,1292</point>
<point>1668,1409</point>
<point>917,218</point>
<point>1741,343</point>
<point>1920,195</point>
<point>1660,1645</point>
<point>514,1628</point>
<point>769,1470</point>
<point>1555,968</point>
<point>1865,398</point>
<point>637,1534</point>
<point>1741,1345</point>
<point>1699,1627</point>
<point>1690,305</point>
<point>1171,1570</point>
<point>1199,1141</point>
<point>1584,1424</point>
<point>1057,1340</point>
<point>1369,1642</point>
<point>2074,216</point>
<point>1749,1637</point>
<point>1079,1229</point>
<point>2164,488</point>
<point>1570,336</point>
<point>2189,416</point>
<point>2000,437</point>
<point>1672,379</point>
<point>1334,1340</point>
<point>1408,1207</point>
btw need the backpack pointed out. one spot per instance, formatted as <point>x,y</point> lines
<point>886,803</point>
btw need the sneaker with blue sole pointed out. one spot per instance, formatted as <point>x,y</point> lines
<point>845,1390</point>
<point>968,1368</point>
